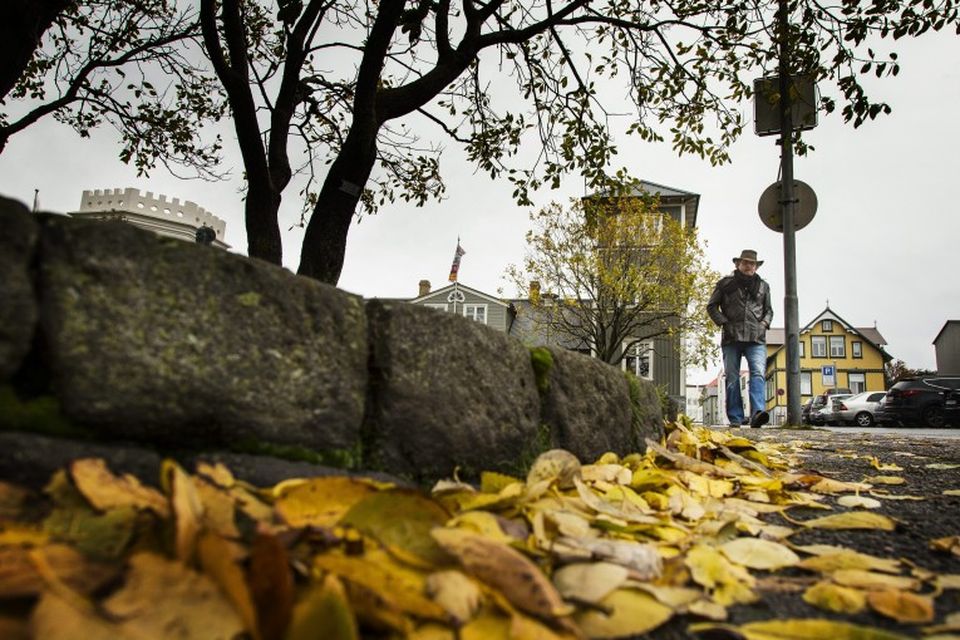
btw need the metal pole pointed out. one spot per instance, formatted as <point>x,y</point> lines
<point>788,203</point>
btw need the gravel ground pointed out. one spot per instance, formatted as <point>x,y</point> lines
<point>846,456</point>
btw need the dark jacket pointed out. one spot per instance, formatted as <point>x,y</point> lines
<point>745,313</point>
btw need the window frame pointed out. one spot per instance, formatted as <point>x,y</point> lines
<point>808,376</point>
<point>856,349</point>
<point>474,307</point>
<point>439,306</point>
<point>826,326</point>
<point>647,352</point>
<point>813,344</point>
<point>801,350</point>
<point>860,382</point>
<point>842,353</point>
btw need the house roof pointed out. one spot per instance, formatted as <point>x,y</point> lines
<point>672,195</point>
<point>457,285</point>
<point>777,335</point>
<point>944,328</point>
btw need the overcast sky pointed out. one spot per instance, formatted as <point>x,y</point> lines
<point>883,247</point>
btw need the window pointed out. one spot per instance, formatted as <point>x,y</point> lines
<point>800,350</point>
<point>857,348</point>
<point>876,397</point>
<point>639,360</point>
<point>818,346</point>
<point>770,388</point>
<point>476,312</point>
<point>806,383</point>
<point>857,382</point>
<point>827,325</point>
<point>434,305</point>
<point>838,347</point>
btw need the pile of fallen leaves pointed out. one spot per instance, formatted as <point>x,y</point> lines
<point>611,549</point>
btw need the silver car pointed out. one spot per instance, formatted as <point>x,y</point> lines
<point>826,414</point>
<point>857,410</point>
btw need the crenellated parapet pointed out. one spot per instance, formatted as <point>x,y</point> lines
<point>146,204</point>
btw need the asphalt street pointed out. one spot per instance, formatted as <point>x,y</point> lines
<point>929,462</point>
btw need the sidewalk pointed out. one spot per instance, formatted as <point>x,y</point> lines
<point>928,466</point>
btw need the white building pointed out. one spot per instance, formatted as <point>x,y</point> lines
<point>170,218</point>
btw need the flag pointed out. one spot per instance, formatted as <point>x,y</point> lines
<point>455,267</point>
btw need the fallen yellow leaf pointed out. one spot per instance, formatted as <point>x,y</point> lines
<point>756,553</point>
<point>836,598</point>
<point>872,580</point>
<point>849,559</point>
<point>858,502</point>
<point>798,629</point>
<point>851,520</point>
<point>632,613</point>
<point>902,606</point>
<point>320,502</point>
<point>589,581</point>
<point>323,612</point>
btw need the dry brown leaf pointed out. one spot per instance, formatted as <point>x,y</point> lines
<point>220,560</point>
<point>106,491</point>
<point>505,569</point>
<point>19,576</point>
<point>271,585</point>
<point>948,544</point>
<point>556,465</point>
<point>456,593</point>
<point>161,598</point>
<point>55,618</point>
<point>902,606</point>
<point>187,508</point>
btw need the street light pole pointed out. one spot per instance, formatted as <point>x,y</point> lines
<point>788,204</point>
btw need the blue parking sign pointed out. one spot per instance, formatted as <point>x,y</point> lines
<point>828,374</point>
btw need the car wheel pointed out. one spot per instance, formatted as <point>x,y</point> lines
<point>864,419</point>
<point>932,417</point>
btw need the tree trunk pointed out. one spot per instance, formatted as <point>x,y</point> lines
<point>22,25</point>
<point>261,212</point>
<point>325,242</point>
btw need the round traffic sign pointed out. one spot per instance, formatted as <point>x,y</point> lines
<point>771,212</point>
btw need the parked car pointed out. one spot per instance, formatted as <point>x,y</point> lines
<point>858,409</point>
<point>805,411</point>
<point>828,414</point>
<point>951,408</point>
<point>920,401</point>
<point>821,411</point>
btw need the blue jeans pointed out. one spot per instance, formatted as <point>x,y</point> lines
<point>756,355</point>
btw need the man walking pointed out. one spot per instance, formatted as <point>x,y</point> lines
<point>740,304</point>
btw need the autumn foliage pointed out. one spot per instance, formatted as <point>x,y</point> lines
<point>616,548</point>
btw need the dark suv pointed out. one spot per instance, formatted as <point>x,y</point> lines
<point>919,401</point>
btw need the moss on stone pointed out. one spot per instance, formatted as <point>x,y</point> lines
<point>249,299</point>
<point>348,459</point>
<point>40,415</point>
<point>543,442</point>
<point>542,361</point>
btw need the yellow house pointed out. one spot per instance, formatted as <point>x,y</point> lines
<point>856,355</point>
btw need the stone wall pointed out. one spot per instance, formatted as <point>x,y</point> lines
<point>112,335</point>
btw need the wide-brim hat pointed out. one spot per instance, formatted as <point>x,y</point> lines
<point>748,254</point>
